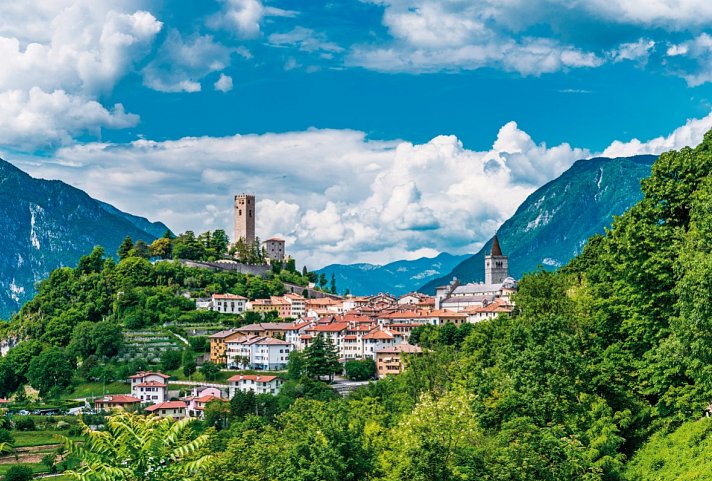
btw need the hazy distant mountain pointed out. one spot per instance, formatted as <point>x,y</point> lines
<point>45,224</point>
<point>397,278</point>
<point>553,223</point>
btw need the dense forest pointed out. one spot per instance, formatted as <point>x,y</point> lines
<point>604,371</point>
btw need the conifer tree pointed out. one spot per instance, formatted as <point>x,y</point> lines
<point>322,359</point>
<point>125,248</point>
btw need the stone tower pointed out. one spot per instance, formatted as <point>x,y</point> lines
<point>245,218</point>
<point>496,264</point>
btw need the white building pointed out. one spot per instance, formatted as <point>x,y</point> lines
<point>228,303</point>
<point>256,383</point>
<point>257,352</point>
<point>379,339</point>
<point>150,387</point>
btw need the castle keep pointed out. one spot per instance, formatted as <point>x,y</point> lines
<point>245,218</point>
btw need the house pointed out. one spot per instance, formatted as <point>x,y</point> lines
<point>116,402</point>
<point>169,409</point>
<point>218,345</point>
<point>196,405</point>
<point>150,387</point>
<point>378,339</point>
<point>258,352</point>
<point>256,383</point>
<point>297,305</point>
<point>203,303</point>
<point>413,299</point>
<point>488,311</point>
<point>228,303</point>
<point>331,330</point>
<point>389,360</point>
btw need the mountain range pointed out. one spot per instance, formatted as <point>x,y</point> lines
<point>550,227</point>
<point>46,224</point>
<point>397,277</point>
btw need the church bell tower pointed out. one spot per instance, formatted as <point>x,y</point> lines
<point>496,264</point>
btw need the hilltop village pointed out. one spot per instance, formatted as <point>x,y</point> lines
<point>373,328</point>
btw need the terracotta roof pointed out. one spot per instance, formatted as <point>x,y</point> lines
<point>167,405</point>
<point>378,334</point>
<point>234,297</point>
<point>148,373</point>
<point>207,398</point>
<point>496,250</point>
<point>306,336</point>
<point>117,399</point>
<point>274,239</point>
<point>403,347</point>
<point>222,334</point>
<point>350,337</point>
<point>150,384</point>
<point>251,377</point>
<point>331,327</point>
<point>3,400</point>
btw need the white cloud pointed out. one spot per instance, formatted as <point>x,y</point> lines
<point>181,63</point>
<point>688,135</point>
<point>306,39</point>
<point>54,117</point>
<point>60,56</point>
<point>524,36</point>
<point>224,83</point>
<point>333,194</point>
<point>692,59</point>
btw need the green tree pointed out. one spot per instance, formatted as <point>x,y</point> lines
<point>188,361</point>
<point>50,371</point>
<point>321,359</point>
<point>140,249</point>
<point>137,448</point>
<point>108,339</point>
<point>171,359</point>
<point>333,284</point>
<point>210,371</point>
<point>242,404</point>
<point>125,248</point>
<point>162,247</point>
<point>360,370</point>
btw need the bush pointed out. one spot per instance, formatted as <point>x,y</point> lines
<point>6,437</point>
<point>24,423</point>
<point>19,473</point>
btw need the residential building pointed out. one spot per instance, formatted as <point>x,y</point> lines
<point>258,384</point>
<point>378,339</point>
<point>390,360</point>
<point>257,352</point>
<point>218,345</point>
<point>116,402</point>
<point>297,305</point>
<point>488,311</point>
<point>169,409</point>
<point>228,303</point>
<point>150,387</point>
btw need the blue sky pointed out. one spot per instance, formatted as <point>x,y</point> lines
<point>369,130</point>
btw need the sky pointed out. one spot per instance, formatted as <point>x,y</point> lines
<point>370,131</point>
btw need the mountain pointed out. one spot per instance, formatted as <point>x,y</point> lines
<point>397,278</point>
<point>45,224</point>
<point>554,222</point>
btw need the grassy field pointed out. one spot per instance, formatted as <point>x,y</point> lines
<point>96,389</point>
<point>36,438</point>
<point>36,468</point>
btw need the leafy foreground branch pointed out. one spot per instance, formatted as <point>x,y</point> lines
<point>135,447</point>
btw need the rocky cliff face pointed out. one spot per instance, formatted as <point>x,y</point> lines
<point>49,224</point>
<point>554,223</point>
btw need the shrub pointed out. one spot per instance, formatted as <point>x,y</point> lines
<point>24,423</point>
<point>19,473</point>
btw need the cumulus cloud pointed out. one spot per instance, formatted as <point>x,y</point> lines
<point>687,135</point>
<point>429,35</point>
<point>181,63</point>
<point>54,117</point>
<point>224,83</point>
<point>692,59</point>
<point>335,195</point>
<point>60,56</point>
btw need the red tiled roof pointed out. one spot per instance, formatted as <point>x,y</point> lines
<point>117,399</point>
<point>150,384</point>
<point>378,334</point>
<point>404,347</point>
<point>233,297</point>
<point>331,327</point>
<point>167,405</point>
<point>207,398</point>
<point>251,377</point>
<point>148,373</point>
